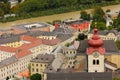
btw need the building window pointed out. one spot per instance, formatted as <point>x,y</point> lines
<point>33,69</point>
<point>36,64</point>
<point>97,62</point>
<point>41,65</point>
<point>70,62</point>
<point>93,62</point>
<point>36,70</point>
<point>45,65</point>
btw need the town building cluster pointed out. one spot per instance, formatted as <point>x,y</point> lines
<point>87,59</point>
<point>20,44</point>
<point>41,47</point>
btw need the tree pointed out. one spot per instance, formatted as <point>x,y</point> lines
<point>1,13</point>
<point>110,27</point>
<point>29,68</point>
<point>5,7</point>
<point>99,25</point>
<point>81,37</point>
<point>35,77</point>
<point>5,1</point>
<point>98,14</point>
<point>84,15</point>
<point>67,44</point>
<point>116,79</point>
<point>19,1</point>
<point>108,10</point>
<point>118,27</point>
<point>116,22</point>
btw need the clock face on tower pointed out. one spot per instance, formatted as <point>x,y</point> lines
<point>96,54</point>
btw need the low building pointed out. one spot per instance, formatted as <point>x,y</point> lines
<point>26,46</point>
<point>78,76</point>
<point>6,52</point>
<point>70,55</point>
<point>18,29</point>
<point>106,35</point>
<point>78,25</point>
<point>15,64</point>
<point>13,3</point>
<point>40,63</point>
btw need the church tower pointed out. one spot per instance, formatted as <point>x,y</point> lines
<point>95,53</point>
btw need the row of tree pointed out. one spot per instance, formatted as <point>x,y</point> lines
<point>35,5</point>
<point>34,8</point>
<point>4,8</point>
<point>116,22</point>
<point>97,15</point>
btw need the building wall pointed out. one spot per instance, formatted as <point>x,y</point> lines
<point>42,49</point>
<point>18,31</point>
<point>68,40</point>
<point>95,67</point>
<point>47,37</point>
<point>69,53</point>
<point>38,67</point>
<point>5,55</point>
<point>8,70</point>
<point>14,44</point>
<point>42,29</point>
<point>109,36</point>
<point>114,58</point>
<point>15,68</point>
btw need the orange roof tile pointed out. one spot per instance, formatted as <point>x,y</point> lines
<point>25,73</point>
<point>23,53</point>
<point>23,50</point>
<point>51,42</point>
<point>8,49</point>
<point>28,38</point>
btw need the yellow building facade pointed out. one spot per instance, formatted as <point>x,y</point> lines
<point>114,58</point>
<point>40,63</point>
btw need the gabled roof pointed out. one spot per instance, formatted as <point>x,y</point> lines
<point>44,58</point>
<point>8,61</point>
<point>23,53</point>
<point>28,38</point>
<point>9,39</point>
<point>64,37</point>
<point>51,42</point>
<point>8,49</point>
<point>40,33</point>
<point>105,32</point>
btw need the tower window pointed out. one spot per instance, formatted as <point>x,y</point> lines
<point>93,62</point>
<point>97,62</point>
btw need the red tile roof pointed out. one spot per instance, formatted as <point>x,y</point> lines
<point>23,50</point>
<point>51,42</point>
<point>28,38</point>
<point>22,53</point>
<point>8,49</point>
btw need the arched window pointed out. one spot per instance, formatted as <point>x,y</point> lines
<point>97,62</point>
<point>93,62</point>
